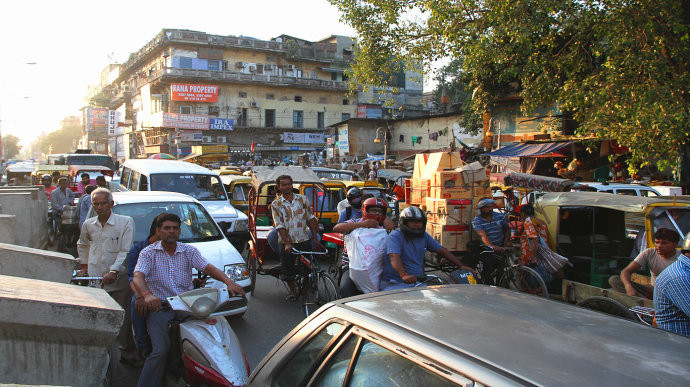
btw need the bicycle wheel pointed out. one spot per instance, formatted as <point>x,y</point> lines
<point>608,306</point>
<point>321,290</point>
<point>524,279</point>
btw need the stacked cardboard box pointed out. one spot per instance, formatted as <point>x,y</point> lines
<point>452,237</point>
<point>449,212</point>
<point>419,190</point>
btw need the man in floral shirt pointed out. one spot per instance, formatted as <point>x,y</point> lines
<point>292,214</point>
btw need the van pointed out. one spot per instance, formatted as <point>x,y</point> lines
<point>189,179</point>
<point>617,188</point>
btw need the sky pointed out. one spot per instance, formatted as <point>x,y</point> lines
<point>53,50</point>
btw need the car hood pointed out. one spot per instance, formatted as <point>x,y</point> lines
<point>219,253</point>
<point>220,209</point>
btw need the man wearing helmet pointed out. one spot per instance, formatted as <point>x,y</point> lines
<point>47,182</point>
<point>492,227</point>
<point>353,200</point>
<point>373,216</point>
<point>672,294</point>
<point>406,249</point>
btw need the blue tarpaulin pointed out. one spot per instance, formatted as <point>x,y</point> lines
<point>530,150</point>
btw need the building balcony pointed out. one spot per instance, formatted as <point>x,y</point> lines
<point>173,74</point>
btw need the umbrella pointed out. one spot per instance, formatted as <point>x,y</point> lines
<point>162,156</point>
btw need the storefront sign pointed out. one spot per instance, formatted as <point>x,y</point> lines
<point>190,135</point>
<point>314,138</point>
<point>96,119</point>
<point>205,149</point>
<point>193,93</point>
<point>113,119</point>
<point>222,124</point>
<point>293,138</point>
<point>343,142</point>
<point>181,121</point>
<point>361,111</point>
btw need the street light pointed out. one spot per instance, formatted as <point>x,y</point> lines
<point>377,140</point>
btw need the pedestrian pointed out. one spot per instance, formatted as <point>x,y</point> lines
<point>292,216</point>
<point>103,245</point>
<point>672,294</point>
<point>100,182</point>
<point>63,196</point>
<point>84,204</point>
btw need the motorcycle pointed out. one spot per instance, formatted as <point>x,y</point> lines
<point>205,349</point>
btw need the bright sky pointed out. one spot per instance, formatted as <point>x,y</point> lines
<point>70,41</point>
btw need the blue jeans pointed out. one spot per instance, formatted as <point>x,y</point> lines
<point>141,334</point>
<point>154,367</point>
<point>392,285</point>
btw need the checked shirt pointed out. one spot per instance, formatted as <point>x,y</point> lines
<point>168,276</point>
<point>672,297</point>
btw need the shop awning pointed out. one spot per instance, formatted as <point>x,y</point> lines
<point>543,149</point>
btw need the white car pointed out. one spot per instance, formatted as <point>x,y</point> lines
<point>198,230</point>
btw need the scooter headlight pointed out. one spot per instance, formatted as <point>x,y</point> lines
<point>237,272</point>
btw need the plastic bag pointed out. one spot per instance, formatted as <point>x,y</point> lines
<point>366,248</point>
<point>550,260</point>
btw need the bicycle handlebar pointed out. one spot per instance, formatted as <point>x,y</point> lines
<point>295,251</point>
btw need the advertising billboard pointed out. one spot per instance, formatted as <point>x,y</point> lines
<point>222,124</point>
<point>96,119</point>
<point>343,141</point>
<point>181,121</point>
<point>193,93</point>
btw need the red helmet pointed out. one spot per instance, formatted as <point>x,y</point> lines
<point>373,203</point>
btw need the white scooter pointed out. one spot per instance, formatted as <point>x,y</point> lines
<point>208,347</point>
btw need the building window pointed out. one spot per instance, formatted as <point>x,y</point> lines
<point>270,96</point>
<point>225,65</point>
<point>346,101</point>
<point>298,98</point>
<point>334,76</point>
<point>344,77</point>
<point>242,94</point>
<point>298,119</point>
<point>270,118</point>
<point>185,110</point>
<point>345,117</point>
<point>319,120</point>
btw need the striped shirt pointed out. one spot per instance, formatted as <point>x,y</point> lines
<point>672,297</point>
<point>493,229</point>
<point>168,276</point>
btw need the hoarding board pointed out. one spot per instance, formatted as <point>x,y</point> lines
<point>193,93</point>
<point>181,121</point>
<point>221,124</point>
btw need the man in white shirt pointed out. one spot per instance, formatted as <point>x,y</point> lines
<point>103,245</point>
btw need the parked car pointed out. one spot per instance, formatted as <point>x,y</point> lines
<point>190,179</point>
<point>470,335</point>
<point>616,188</point>
<point>198,230</point>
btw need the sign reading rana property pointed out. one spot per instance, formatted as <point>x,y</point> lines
<point>193,93</point>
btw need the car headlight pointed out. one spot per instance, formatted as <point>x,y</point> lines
<point>237,272</point>
<point>241,225</point>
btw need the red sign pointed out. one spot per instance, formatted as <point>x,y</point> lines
<point>193,93</point>
<point>361,111</point>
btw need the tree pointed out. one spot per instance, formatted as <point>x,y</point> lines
<point>621,67</point>
<point>63,139</point>
<point>11,145</point>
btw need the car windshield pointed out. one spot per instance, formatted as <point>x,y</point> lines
<point>335,175</point>
<point>329,201</point>
<point>200,187</point>
<point>677,219</point>
<point>103,160</point>
<point>197,225</point>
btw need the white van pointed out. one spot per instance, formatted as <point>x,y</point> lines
<point>617,188</point>
<point>190,179</point>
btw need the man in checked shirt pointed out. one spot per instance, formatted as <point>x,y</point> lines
<point>164,270</point>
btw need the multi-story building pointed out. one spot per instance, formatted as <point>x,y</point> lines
<point>200,93</point>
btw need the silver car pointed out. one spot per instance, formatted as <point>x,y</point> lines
<point>470,335</point>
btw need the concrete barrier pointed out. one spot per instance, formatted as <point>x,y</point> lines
<point>25,262</point>
<point>30,206</point>
<point>8,229</point>
<point>55,334</point>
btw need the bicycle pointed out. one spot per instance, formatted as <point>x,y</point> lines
<point>314,285</point>
<point>501,270</point>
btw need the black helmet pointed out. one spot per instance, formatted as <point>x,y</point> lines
<point>354,197</point>
<point>412,213</point>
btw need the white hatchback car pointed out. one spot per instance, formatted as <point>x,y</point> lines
<point>198,230</point>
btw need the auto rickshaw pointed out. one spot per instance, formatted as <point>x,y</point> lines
<point>238,188</point>
<point>45,169</point>
<point>75,172</point>
<point>328,202</point>
<point>601,233</point>
<point>262,193</point>
<point>19,174</point>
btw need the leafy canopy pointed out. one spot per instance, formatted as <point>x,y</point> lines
<point>619,66</point>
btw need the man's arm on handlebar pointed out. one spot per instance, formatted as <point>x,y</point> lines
<point>457,262</point>
<point>218,275</point>
<point>153,303</point>
<point>486,241</point>
<point>398,266</point>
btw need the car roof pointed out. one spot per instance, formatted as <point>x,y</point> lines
<point>167,166</point>
<point>539,340</point>
<point>130,197</point>
<point>601,199</point>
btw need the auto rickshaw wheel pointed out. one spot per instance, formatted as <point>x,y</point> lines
<point>608,306</point>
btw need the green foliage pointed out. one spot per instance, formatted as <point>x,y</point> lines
<point>453,83</point>
<point>11,145</point>
<point>63,139</point>
<point>621,67</point>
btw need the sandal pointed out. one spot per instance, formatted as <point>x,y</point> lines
<point>291,297</point>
